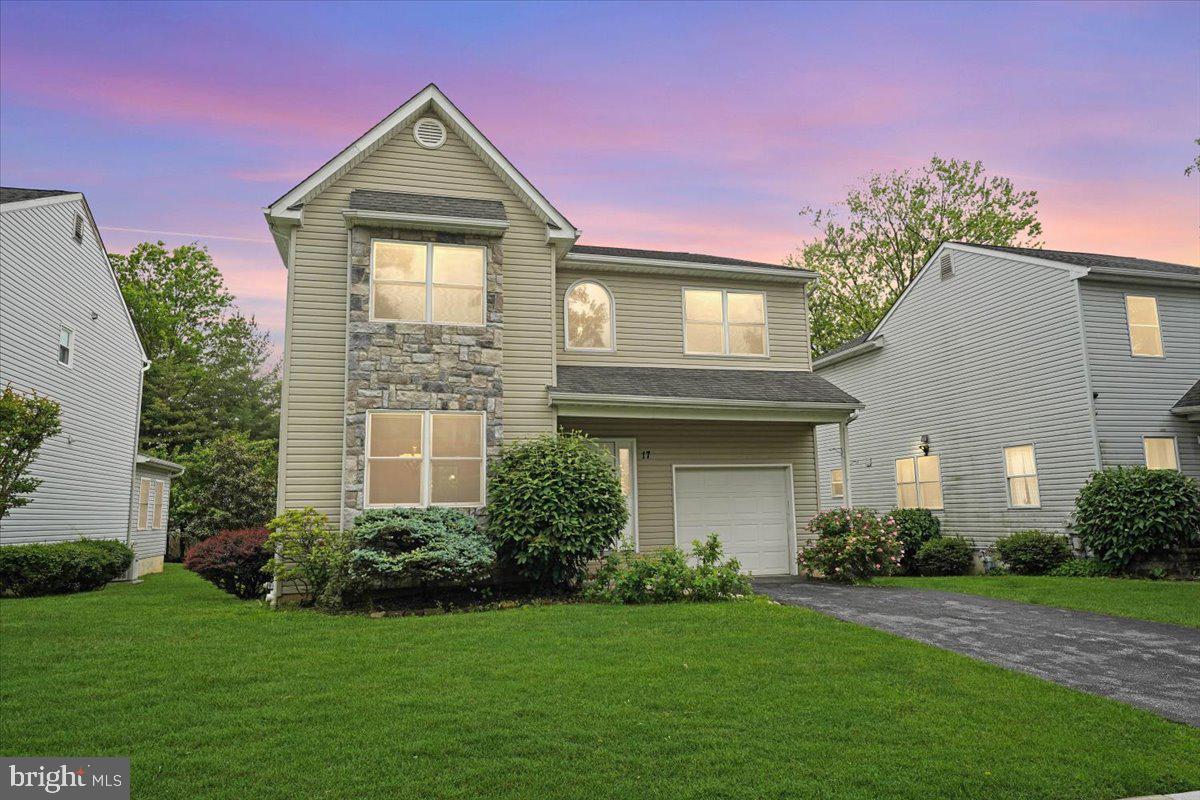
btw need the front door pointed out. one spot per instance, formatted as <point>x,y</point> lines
<point>622,453</point>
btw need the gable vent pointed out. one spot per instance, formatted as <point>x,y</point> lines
<point>429,132</point>
<point>947,266</point>
<point>79,227</point>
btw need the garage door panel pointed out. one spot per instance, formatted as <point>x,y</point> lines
<point>749,508</point>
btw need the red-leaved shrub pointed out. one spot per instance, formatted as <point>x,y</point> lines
<point>232,561</point>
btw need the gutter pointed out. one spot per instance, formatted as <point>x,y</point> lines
<point>698,402</point>
<point>592,260</point>
<point>851,352</point>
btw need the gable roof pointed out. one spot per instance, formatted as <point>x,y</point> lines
<point>671,255</point>
<point>1093,260</point>
<point>288,209</point>
<point>1190,399</point>
<point>753,386</point>
<point>427,204</point>
<point>11,194</point>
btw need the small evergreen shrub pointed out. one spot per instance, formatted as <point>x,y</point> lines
<point>430,545</point>
<point>916,527</point>
<point>1033,552</point>
<point>233,561</point>
<point>313,557</point>
<point>29,570</point>
<point>1126,514</point>
<point>554,504</point>
<point>1083,568</point>
<point>667,576</point>
<point>946,555</point>
<point>852,545</point>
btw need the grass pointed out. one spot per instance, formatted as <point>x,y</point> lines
<point>218,698</point>
<point>1176,602</point>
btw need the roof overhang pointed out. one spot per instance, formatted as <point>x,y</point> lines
<point>159,464</point>
<point>1190,413</point>
<point>579,404</point>
<point>605,263</point>
<point>1139,276</point>
<point>428,222</point>
<point>848,353</point>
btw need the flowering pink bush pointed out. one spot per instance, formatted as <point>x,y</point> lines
<point>852,545</point>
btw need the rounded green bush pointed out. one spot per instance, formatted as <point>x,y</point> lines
<point>28,570</point>
<point>916,527</point>
<point>1125,514</point>
<point>435,545</point>
<point>946,555</point>
<point>852,545</point>
<point>1033,552</point>
<point>554,504</point>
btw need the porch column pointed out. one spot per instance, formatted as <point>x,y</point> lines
<point>844,437</point>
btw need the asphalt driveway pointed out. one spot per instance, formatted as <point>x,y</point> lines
<point>1147,664</point>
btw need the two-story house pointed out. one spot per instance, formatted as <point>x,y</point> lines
<point>66,334</point>
<point>438,307</point>
<point>1003,377</point>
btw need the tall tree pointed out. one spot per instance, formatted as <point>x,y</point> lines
<point>871,248</point>
<point>208,372</point>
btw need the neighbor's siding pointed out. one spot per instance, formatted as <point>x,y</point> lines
<point>672,442</point>
<point>315,371</point>
<point>48,280</point>
<point>1135,395</point>
<point>649,316</point>
<point>989,358</point>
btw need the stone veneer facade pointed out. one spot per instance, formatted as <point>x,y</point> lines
<point>413,366</point>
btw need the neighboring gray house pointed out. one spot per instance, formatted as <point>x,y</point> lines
<point>1003,377</point>
<point>66,334</point>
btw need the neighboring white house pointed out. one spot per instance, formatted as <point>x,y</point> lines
<point>66,334</point>
<point>1003,377</point>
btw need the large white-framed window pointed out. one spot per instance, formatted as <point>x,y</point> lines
<point>919,482</point>
<point>1145,333</point>
<point>160,505</point>
<point>425,282</point>
<point>837,484</point>
<point>66,346</point>
<point>724,322</point>
<point>143,521</point>
<point>590,317</point>
<point>1020,470</point>
<point>424,458</point>
<point>1162,452</point>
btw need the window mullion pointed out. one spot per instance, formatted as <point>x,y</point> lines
<point>429,283</point>
<point>725,320</point>
<point>426,457</point>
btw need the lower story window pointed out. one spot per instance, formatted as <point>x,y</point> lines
<point>919,482</point>
<point>422,458</point>
<point>1160,452</point>
<point>837,483</point>
<point>1020,468</point>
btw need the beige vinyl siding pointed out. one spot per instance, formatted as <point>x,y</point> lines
<point>671,442</point>
<point>316,359</point>
<point>649,316</point>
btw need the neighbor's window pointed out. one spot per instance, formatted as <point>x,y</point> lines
<point>1160,452</point>
<point>837,484</point>
<point>144,505</point>
<point>65,339</point>
<point>160,508</point>
<point>438,283</point>
<point>1020,468</point>
<point>723,322</point>
<point>590,317</point>
<point>1145,336</point>
<point>919,482</point>
<point>422,458</point>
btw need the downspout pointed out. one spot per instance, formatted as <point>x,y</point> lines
<point>1087,375</point>
<point>844,436</point>
<point>131,573</point>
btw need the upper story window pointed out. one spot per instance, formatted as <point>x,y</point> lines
<point>723,322</point>
<point>591,317</point>
<point>66,339</point>
<point>1145,335</point>
<point>837,484</point>
<point>1020,469</point>
<point>919,482</point>
<point>439,283</point>
<point>422,458</point>
<point>1161,452</point>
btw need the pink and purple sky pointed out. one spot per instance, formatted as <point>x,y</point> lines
<point>694,127</point>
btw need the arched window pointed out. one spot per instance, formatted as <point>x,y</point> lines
<point>590,317</point>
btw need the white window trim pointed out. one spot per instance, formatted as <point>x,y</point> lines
<point>429,284</point>
<point>426,459</point>
<point>618,441</point>
<point>1158,320</point>
<point>1036,474</point>
<point>1146,453</point>
<point>834,495</point>
<point>683,290</point>
<point>917,481</point>
<point>70,362</point>
<point>612,320</point>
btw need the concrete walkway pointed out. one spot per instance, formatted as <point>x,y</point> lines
<point>1147,664</point>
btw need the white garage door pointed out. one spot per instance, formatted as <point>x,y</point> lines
<point>748,507</point>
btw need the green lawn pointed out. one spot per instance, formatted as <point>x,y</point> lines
<point>1177,602</point>
<point>214,697</point>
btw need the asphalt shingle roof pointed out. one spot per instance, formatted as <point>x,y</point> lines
<point>1095,259</point>
<point>10,194</point>
<point>767,386</point>
<point>846,345</point>
<point>1191,397</point>
<point>670,255</point>
<point>431,204</point>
